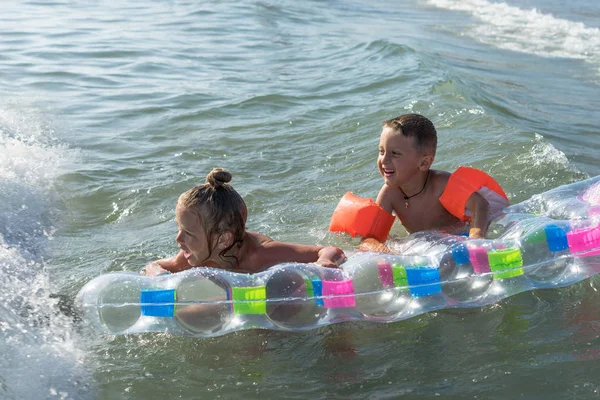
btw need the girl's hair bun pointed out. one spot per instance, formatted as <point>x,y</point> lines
<point>218,177</point>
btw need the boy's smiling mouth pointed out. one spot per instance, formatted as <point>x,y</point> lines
<point>387,171</point>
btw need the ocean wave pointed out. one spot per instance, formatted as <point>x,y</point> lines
<point>527,31</point>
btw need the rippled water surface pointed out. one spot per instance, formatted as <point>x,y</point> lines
<point>108,111</point>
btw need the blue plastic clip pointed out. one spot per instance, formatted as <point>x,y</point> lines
<point>164,299</point>
<point>318,291</point>
<point>460,253</point>
<point>556,237</point>
<point>424,279</point>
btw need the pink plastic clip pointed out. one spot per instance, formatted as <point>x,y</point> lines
<point>586,241</point>
<point>335,288</point>
<point>479,260</point>
<point>385,273</point>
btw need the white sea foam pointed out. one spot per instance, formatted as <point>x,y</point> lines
<point>543,163</point>
<point>544,154</point>
<point>28,168</point>
<point>528,31</point>
<point>39,358</point>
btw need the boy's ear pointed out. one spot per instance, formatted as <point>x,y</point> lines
<point>426,162</point>
<point>224,240</point>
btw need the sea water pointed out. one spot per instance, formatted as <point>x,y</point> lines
<point>108,111</point>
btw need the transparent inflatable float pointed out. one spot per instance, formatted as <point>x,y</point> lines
<point>550,240</point>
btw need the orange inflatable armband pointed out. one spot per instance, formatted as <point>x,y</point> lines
<point>364,217</point>
<point>463,183</point>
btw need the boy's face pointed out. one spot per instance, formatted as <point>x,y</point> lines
<point>399,162</point>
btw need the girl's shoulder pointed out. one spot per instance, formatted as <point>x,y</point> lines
<point>258,239</point>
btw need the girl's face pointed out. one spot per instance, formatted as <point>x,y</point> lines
<point>192,238</point>
<point>398,161</point>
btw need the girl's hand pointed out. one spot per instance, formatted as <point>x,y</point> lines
<point>331,257</point>
<point>153,269</point>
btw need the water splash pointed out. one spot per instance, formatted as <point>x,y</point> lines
<point>546,165</point>
<point>39,357</point>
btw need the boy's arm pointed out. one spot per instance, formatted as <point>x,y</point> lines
<point>479,216</point>
<point>384,200</point>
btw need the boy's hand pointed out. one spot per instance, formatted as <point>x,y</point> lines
<point>475,233</point>
<point>370,244</point>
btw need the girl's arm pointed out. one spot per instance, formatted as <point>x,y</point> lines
<point>176,263</point>
<point>272,252</point>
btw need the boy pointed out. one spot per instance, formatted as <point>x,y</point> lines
<point>423,198</point>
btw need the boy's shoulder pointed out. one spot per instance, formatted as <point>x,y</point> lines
<point>439,180</point>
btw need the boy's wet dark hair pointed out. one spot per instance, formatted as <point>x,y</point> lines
<point>219,207</point>
<point>418,127</point>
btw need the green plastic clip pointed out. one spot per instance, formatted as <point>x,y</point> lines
<point>249,300</point>
<point>508,260</point>
<point>537,237</point>
<point>310,292</point>
<point>399,274</point>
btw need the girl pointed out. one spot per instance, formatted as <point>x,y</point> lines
<point>212,233</point>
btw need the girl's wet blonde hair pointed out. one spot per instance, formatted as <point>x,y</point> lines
<point>220,209</point>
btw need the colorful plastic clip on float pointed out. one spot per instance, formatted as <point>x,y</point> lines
<point>550,240</point>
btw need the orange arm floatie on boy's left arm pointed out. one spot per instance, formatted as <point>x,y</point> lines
<point>357,216</point>
<point>463,183</point>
